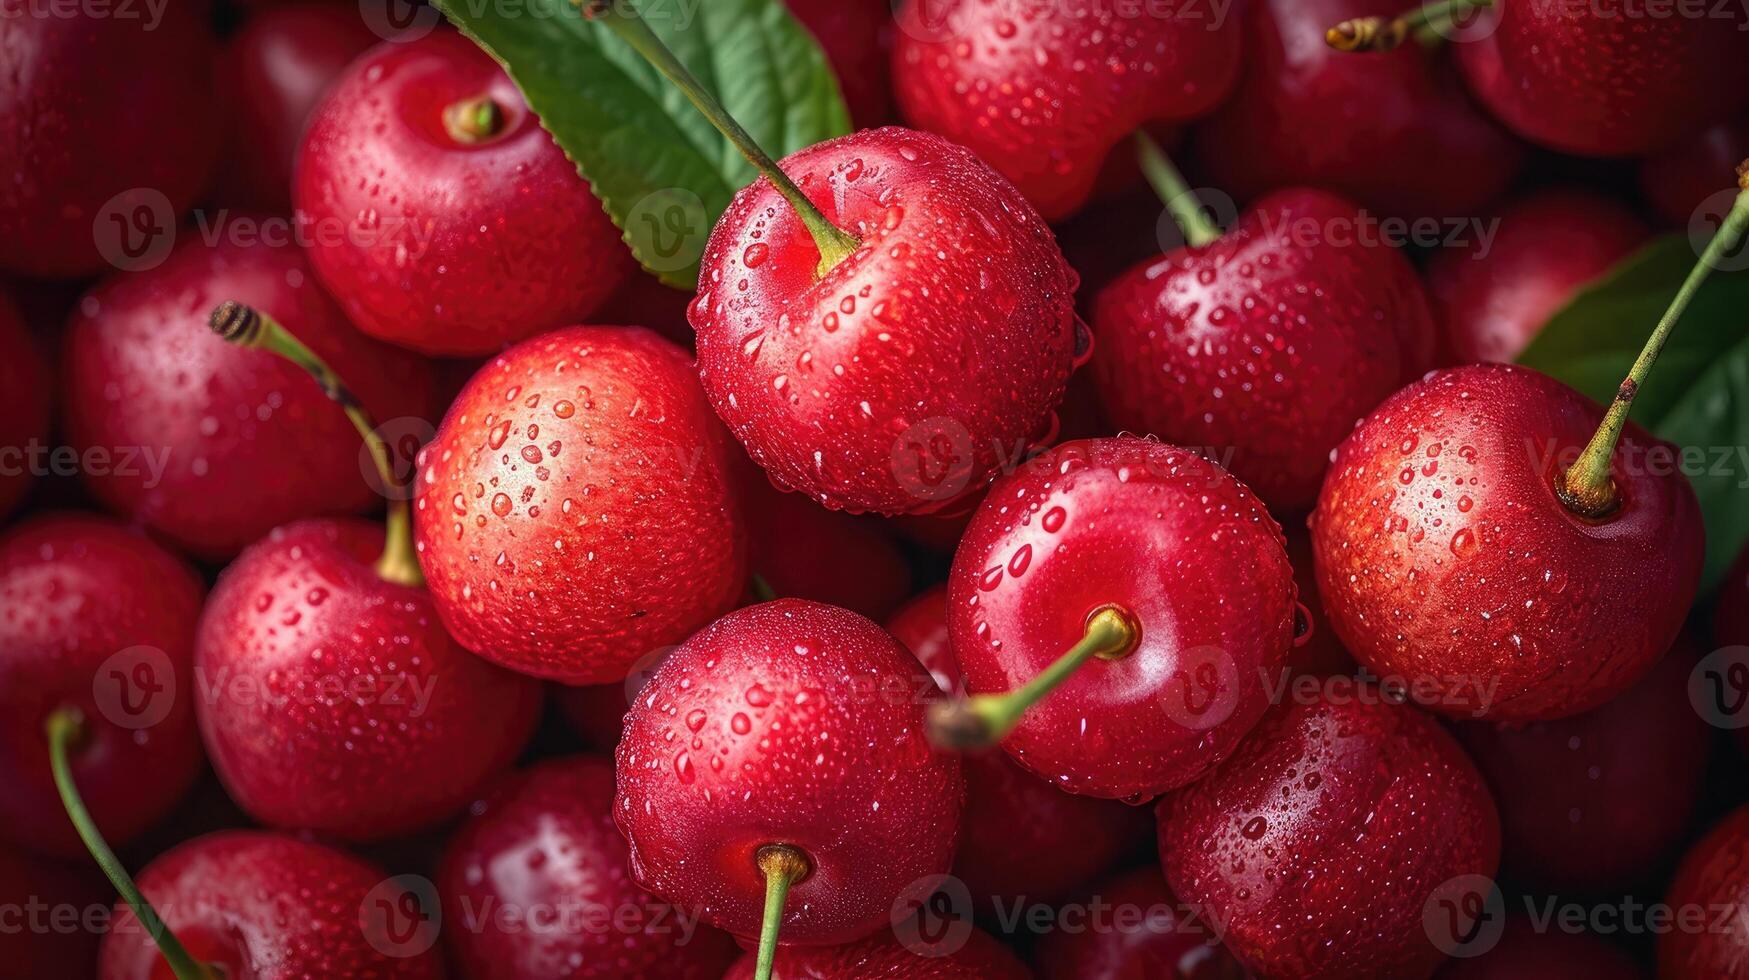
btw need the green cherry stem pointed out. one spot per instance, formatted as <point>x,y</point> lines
<point>474,120</point>
<point>1386,33</point>
<point>985,719</point>
<point>782,866</point>
<point>1174,192</point>
<point>64,727</point>
<point>1587,488</point>
<point>246,326</point>
<point>621,17</point>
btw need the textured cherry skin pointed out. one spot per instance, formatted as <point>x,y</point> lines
<point>545,839</point>
<point>1270,342</point>
<point>1045,91</point>
<point>259,905</point>
<point>275,70</point>
<point>24,404</point>
<point>251,441</point>
<point>1603,80</point>
<point>42,937</point>
<point>789,722</point>
<point>1676,180</point>
<point>1394,131</point>
<point>1525,952</point>
<point>1191,555</point>
<point>1492,301</point>
<point>578,507</point>
<point>92,106</point>
<point>1445,558</point>
<point>438,245</point>
<point>75,591</point>
<point>804,551</point>
<point>1162,944</point>
<point>1713,875</point>
<point>885,958</point>
<point>1561,784</point>
<point>857,36</point>
<point>361,718</point>
<point>950,332</point>
<point>1320,841</point>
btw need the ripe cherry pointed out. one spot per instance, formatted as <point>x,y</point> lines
<point>857,36</point>
<point>1164,943</point>
<point>24,405</point>
<point>980,958</point>
<point>1492,298</point>
<point>542,844</point>
<point>1321,842</point>
<point>803,551</point>
<point>1045,92</point>
<point>416,151</point>
<point>1188,639</point>
<point>921,624</point>
<point>779,753</point>
<point>1528,950</point>
<point>1714,875</point>
<point>577,508</point>
<point>1676,181</point>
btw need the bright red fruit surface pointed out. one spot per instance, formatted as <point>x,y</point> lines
<point>337,702</point>
<point>1527,951</point>
<point>1321,842</point>
<point>1714,876</point>
<point>1147,936</point>
<point>1045,91</point>
<point>536,885</point>
<point>444,244</point>
<point>1169,537</point>
<point>797,723</point>
<point>97,617</point>
<point>884,958</point>
<point>577,508</point>
<point>268,907</point>
<point>857,36</point>
<point>1265,346</point>
<point>902,379</point>
<point>1394,131</point>
<point>1445,558</point>
<point>24,405</point>
<point>209,444</point>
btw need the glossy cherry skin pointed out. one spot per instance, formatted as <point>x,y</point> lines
<point>1213,600</point>
<point>1045,91</point>
<point>338,703</point>
<point>268,907</point>
<point>1320,842</point>
<point>1266,345</point>
<point>440,245</point>
<point>1676,181</point>
<point>577,508</point>
<point>1561,785</point>
<point>1492,300</point>
<point>1393,131</point>
<point>1713,875</point>
<point>901,380</point>
<point>804,551</point>
<point>245,440</point>
<point>24,405</point>
<point>1606,81</point>
<point>886,958</point>
<point>95,105</point>
<point>98,617</point>
<point>1161,942</point>
<point>789,722</point>
<point>545,840</point>
<point>857,36</point>
<point>275,69</point>
<point>48,910</point>
<point>1526,952</point>
<point>1445,558</point>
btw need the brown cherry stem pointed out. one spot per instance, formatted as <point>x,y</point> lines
<point>783,866</point>
<point>1386,33</point>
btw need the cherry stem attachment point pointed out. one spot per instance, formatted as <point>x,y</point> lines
<point>474,120</point>
<point>1588,488</point>
<point>65,727</point>
<point>1386,33</point>
<point>1175,192</point>
<point>985,719</point>
<point>246,326</point>
<point>621,17</point>
<point>782,866</point>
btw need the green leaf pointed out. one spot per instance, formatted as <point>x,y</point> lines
<point>1698,395</point>
<point>663,174</point>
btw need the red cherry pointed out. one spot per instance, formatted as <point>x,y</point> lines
<point>40,940</point>
<point>1446,557</point>
<point>1321,842</point>
<point>857,36</point>
<point>91,108</point>
<point>981,958</point>
<point>902,378</point>
<point>1267,344</point>
<point>577,507</point>
<point>98,618</point>
<point>788,731</point>
<point>921,625</point>
<point>1493,298</point>
<point>1678,180</point>
<point>1394,131</point>
<point>1045,94</point>
<point>268,907</point>
<point>1169,544</point>
<point>803,551</point>
<point>24,405</point>
<point>1164,943</point>
<point>243,441</point>
<point>1714,875</point>
<point>436,125</point>
<point>543,850</point>
<point>1527,951</point>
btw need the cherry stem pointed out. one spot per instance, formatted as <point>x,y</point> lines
<point>1386,33</point>
<point>782,866</point>
<point>621,17</point>
<point>246,326</point>
<point>1175,192</point>
<point>65,727</point>
<point>762,589</point>
<point>985,719</point>
<point>1588,488</point>
<point>474,120</point>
